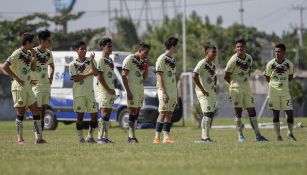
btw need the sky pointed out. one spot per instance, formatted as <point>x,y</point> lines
<point>266,15</point>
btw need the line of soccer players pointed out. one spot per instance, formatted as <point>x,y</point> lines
<point>28,67</point>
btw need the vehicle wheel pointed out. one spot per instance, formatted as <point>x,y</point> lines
<point>123,118</point>
<point>50,120</point>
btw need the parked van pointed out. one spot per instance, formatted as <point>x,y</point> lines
<point>60,108</point>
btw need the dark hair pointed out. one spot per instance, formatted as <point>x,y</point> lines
<point>43,35</point>
<point>281,46</point>
<point>78,44</point>
<point>144,45</point>
<point>171,41</point>
<point>104,42</point>
<point>26,38</point>
<point>209,46</point>
<point>242,41</point>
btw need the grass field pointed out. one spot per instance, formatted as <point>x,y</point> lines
<point>63,154</point>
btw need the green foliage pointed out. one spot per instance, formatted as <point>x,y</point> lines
<point>198,33</point>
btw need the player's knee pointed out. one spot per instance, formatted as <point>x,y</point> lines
<point>20,117</point>
<point>290,120</point>
<point>252,114</point>
<point>209,114</point>
<point>79,126</point>
<point>275,119</point>
<point>93,124</point>
<point>132,118</point>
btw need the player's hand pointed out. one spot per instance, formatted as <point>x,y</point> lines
<point>19,81</point>
<point>145,65</point>
<point>165,97</point>
<point>33,54</point>
<point>205,93</point>
<point>111,91</point>
<point>92,56</point>
<point>33,82</point>
<point>129,95</point>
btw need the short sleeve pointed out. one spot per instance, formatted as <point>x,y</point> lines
<point>291,68</point>
<point>197,69</point>
<point>72,70</point>
<point>127,63</point>
<point>230,65</point>
<point>14,57</point>
<point>160,65</point>
<point>268,69</point>
<point>50,60</point>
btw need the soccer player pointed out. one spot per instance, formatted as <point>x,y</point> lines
<point>237,74</point>
<point>18,66</point>
<point>279,71</point>
<point>167,90</point>
<point>106,92</point>
<point>82,71</point>
<point>204,77</point>
<point>135,71</point>
<point>40,78</point>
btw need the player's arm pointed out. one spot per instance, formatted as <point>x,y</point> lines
<point>290,77</point>
<point>268,79</point>
<point>125,73</point>
<point>33,61</point>
<point>145,67</point>
<point>195,78</point>
<point>8,70</point>
<point>161,85</point>
<point>51,66</point>
<point>104,84</point>
<point>227,77</point>
<point>74,75</point>
<point>93,66</point>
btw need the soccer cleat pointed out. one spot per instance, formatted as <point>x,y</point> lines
<point>21,142</point>
<point>261,138</point>
<point>40,141</point>
<point>291,137</point>
<point>156,140</point>
<point>242,139</point>
<point>82,140</point>
<point>206,140</point>
<point>104,141</point>
<point>132,140</point>
<point>168,140</point>
<point>279,138</point>
<point>90,140</point>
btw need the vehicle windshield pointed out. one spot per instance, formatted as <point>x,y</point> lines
<point>151,79</point>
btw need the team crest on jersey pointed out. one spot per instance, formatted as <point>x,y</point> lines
<point>169,73</point>
<point>25,58</point>
<point>280,68</point>
<point>81,66</point>
<point>209,69</point>
<point>209,80</point>
<point>24,71</point>
<point>109,74</point>
<point>170,62</point>
<point>242,64</point>
<point>38,69</point>
<point>109,63</point>
<point>138,64</point>
<point>137,74</point>
<point>42,58</point>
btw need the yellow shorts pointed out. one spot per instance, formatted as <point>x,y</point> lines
<point>85,104</point>
<point>137,101</point>
<point>106,100</point>
<point>241,98</point>
<point>207,103</point>
<point>43,98</point>
<point>170,106</point>
<point>23,98</point>
<point>280,102</point>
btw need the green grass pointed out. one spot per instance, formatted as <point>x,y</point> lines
<point>63,155</point>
